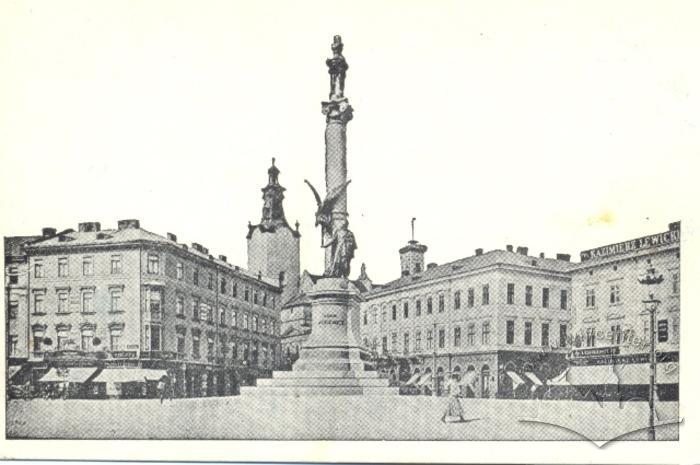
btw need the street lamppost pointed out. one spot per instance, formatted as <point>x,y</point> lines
<point>650,306</point>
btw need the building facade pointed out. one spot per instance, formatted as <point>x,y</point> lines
<point>16,303</point>
<point>611,328</point>
<point>118,299</point>
<point>499,321</point>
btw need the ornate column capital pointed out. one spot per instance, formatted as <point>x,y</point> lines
<point>337,111</point>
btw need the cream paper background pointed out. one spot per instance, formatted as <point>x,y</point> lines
<point>557,125</point>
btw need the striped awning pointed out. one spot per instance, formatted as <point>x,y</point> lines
<point>413,379</point>
<point>12,371</point>
<point>129,375</point>
<point>68,375</point>
<point>517,380</point>
<point>533,377</point>
<point>559,380</point>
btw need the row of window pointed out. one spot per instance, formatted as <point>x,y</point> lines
<point>470,340</point>
<point>249,350</point>
<point>665,331</point>
<point>458,303</point>
<point>545,340</point>
<point>154,341</point>
<point>153,266</point>
<point>87,342</point>
<point>87,301</point>
<point>614,295</point>
<point>528,296</point>
<point>202,311</point>
<point>87,266</point>
<point>225,286</point>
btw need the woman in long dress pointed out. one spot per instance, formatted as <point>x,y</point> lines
<point>454,412</point>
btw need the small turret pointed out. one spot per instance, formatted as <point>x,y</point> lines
<point>412,255</point>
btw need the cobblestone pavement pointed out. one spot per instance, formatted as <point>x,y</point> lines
<point>401,417</point>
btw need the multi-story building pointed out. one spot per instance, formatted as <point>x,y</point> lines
<point>126,297</point>
<point>611,328</point>
<point>16,302</point>
<point>498,320</point>
<point>108,312</point>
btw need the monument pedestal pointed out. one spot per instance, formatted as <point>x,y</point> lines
<point>331,361</point>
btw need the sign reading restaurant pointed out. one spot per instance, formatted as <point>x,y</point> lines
<point>646,242</point>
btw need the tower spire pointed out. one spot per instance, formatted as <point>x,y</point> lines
<point>273,195</point>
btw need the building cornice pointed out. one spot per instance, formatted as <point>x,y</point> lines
<point>412,286</point>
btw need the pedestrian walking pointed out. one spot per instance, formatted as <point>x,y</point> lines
<point>454,412</point>
<point>163,387</point>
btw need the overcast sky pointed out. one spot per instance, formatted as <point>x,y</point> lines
<point>559,126</point>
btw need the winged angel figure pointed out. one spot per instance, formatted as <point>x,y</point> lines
<point>337,236</point>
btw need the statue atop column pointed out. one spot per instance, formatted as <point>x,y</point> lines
<point>337,66</point>
<point>331,213</point>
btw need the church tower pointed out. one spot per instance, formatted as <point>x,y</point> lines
<point>273,246</point>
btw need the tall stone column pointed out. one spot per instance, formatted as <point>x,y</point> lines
<point>338,113</point>
<point>331,361</point>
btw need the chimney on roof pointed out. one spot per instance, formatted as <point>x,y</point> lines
<point>479,252</point>
<point>564,256</point>
<point>222,258</point>
<point>91,226</point>
<point>522,250</point>
<point>509,248</point>
<point>48,232</point>
<point>432,265</point>
<point>128,224</point>
<point>541,254</point>
<point>171,237</point>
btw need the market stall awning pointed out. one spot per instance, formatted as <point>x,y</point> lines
<point>413,379</point>
<point>128,375</point>
<point>425,380</point>
<point>68,375</point>
<point>560,379</point>
<point>533,377</point>
<point>517,380</point>
<point>12,371</point>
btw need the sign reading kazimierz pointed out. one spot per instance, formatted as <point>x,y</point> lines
<point>646,242</point>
